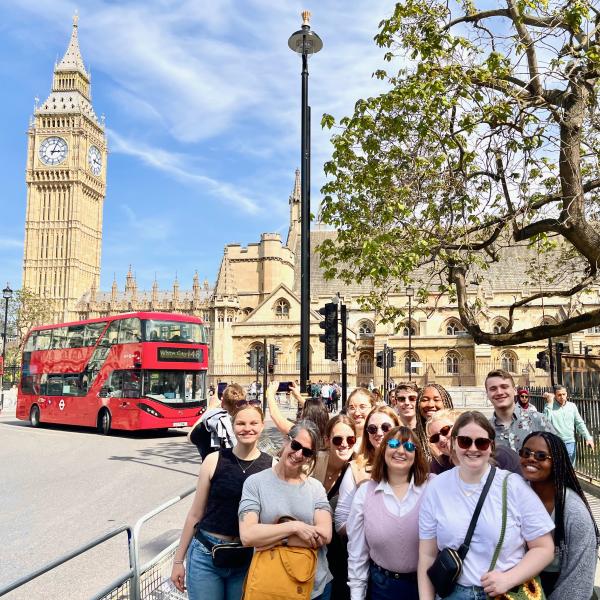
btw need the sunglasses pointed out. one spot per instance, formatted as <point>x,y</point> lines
<point>523,395</point>
<point>406,398</point>
<point>539,455</point>
<point>338,440</point>
<point>408,445</point>
<point>373,429</point>
<point>242,403</point>
<point>306,452</point>
<point>465,442</point>
<point>435,438</point>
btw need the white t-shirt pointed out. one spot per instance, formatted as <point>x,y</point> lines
<point>446,512</point>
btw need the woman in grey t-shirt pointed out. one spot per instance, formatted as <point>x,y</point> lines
<point>287,492</point>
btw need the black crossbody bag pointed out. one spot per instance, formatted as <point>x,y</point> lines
<point>228,555</point>
<point>447,567</point>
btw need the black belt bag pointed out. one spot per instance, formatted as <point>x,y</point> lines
<point>228,555</point>
<point>447,567</point>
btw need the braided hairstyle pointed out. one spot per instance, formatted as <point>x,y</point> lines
<point>420,429</point>
<point>564,477</point>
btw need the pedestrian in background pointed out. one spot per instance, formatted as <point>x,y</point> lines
<point>358,406</point>
<point>523,400</point>
<point>213,516</point>
<point>546,466</point>
<point>432,397</point>
<point>567,421</point>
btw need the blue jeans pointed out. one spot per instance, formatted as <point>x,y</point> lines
<point>572,451</point>
<point>204,580</point>
<point>382,587</point>
<point>472,592</point>
<point>325,594</point>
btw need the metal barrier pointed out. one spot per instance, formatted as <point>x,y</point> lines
<point>146,582</point>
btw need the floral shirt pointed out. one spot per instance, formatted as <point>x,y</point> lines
<point>523,423</point>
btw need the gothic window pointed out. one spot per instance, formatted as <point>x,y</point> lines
<point>453,363</point>
<point>408,359</point>
<point>366,329</point>
<point>404,330</point>
<point>282,309</point>
<point>499,326</point>
<point>453,327</point>
<point>365,365</point>
<point>595,329</point>
<point>548,321</point>
<point>508,361</point>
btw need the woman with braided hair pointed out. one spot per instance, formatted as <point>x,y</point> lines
<point>432,397</point>
<point>546,465</point>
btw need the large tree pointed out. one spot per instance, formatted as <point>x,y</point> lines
<point>487,138</point>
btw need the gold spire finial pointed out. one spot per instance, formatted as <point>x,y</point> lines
<point>305,17</point>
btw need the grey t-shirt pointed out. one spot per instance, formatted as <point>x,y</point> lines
<point>264,493</point>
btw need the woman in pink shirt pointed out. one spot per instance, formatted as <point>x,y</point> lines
<point>383,527</point>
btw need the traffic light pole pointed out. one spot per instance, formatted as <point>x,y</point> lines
<point>551,355</point>
<point>265,376</point>
<point>385,371</point>
<point>344,361</point>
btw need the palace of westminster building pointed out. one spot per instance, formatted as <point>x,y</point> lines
<point>257,291</point>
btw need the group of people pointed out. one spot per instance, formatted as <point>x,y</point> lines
<point>367,500</point>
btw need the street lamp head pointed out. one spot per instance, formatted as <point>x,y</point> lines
<point>410,291</point>
<point>305,41</point>
<point>7,292</point>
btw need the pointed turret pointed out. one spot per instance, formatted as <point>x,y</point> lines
<point>176,290</point>
<point>225,280</point>
<point>114,290</point>
<point>72,61</point>
<point>155,291</point>
<point>295,204</point>
<point>297,191</point>
<point>196,286</point>
<point>130,283</point>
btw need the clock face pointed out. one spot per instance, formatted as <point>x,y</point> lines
<point>53,151</point>
<point>95,160</point>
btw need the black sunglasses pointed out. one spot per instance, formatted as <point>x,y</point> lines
<point>465,442</point>
<point>435,438</point>
<point>306,452</point>
<point>242,403</point>
<point>539,455</point>
<point>373,429</point>
<point>523,395</point>
<point>338,440</point>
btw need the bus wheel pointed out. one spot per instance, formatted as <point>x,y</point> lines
<point>34,416</point>
<point>104,421</point>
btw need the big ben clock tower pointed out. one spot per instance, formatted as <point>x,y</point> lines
<point>66,186</point>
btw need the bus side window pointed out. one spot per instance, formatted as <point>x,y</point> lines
<point>54,387</point>
<point>112,334</point>
<point>93,332</point>
<point>75,336</point>
<point>42,339</point>
<point>130,331</point>
<point>59,338</point>
<point>30,343</point>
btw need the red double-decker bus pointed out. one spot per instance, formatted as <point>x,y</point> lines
<point>131,371</point>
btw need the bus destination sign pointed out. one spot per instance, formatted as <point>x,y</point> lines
<point>180,354</point>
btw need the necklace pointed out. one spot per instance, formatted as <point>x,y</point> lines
<point>240,464</point>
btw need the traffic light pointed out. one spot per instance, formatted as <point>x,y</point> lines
<point>330,325</point>
<point>542,360</point>
<point>274,350</point>
<point>391,358</point>
<point>251,358</point>
<point>379,359</point>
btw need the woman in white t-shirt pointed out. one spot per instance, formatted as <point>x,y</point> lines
<point>448,506</point>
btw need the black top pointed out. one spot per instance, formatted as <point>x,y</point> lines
<point>221,514</point>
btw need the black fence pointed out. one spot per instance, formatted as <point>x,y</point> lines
<point>12,373</point>
<point>588,403</point>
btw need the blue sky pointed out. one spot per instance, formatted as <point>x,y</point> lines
<point>202,106</point>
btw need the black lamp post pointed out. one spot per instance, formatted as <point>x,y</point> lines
<point>7,295</point>
<point>305,42</point>
<point>410,292</point>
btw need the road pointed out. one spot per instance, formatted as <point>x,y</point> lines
<point>62,486</point>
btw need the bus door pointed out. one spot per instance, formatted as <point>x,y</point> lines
<point>51,402</point>
<point>76,409</point>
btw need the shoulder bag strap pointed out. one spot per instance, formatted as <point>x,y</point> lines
<point>464,548</point>
<point>503,529</point>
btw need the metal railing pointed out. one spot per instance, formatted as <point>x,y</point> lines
<point>587,402</point>
<point>139,582</point>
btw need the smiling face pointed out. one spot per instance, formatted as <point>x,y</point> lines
<point>379,420</point>
<point>399,460</point>
<point>406,401</point>
<point>247,426</point>
<point>472,459</point>
<point>443,444</point>
<point>341,432</point>
<point>295,459</point>
<point>358,408</point>
<point>431,402</point>
<point>536,470</point>
<point>501,392</point>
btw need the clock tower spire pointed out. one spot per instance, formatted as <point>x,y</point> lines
<point>66,187</point>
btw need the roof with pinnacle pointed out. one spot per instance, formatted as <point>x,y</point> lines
<point>67,102</point>
<point>509,274</point>
<point>225,282</point>
<point>72,60</point>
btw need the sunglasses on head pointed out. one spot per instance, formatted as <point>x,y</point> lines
<point>373,429</point>
<point>465,442</point>
<point>408,445</point>
<point>242,403</point>
<point>539,455</point>
<point>435,438</point>
<point>306,452</point>
<point>338,440</point>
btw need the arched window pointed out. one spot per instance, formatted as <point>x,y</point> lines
<point>246,311</point>
<point>453,363</point>
<point>508,361</point>
<point>404,330</point>
<point>365,365</point>
<point>282,309</point>
<point>366,329</point>
<point>256,356</point>
<point>453,327</point>
<point>548,321</point>
<point>297,355</point>
<point>595,329</point>
<point>499,326</point>
<point>408,359</point>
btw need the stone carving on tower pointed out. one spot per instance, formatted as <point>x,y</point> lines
<point>66,187</point>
